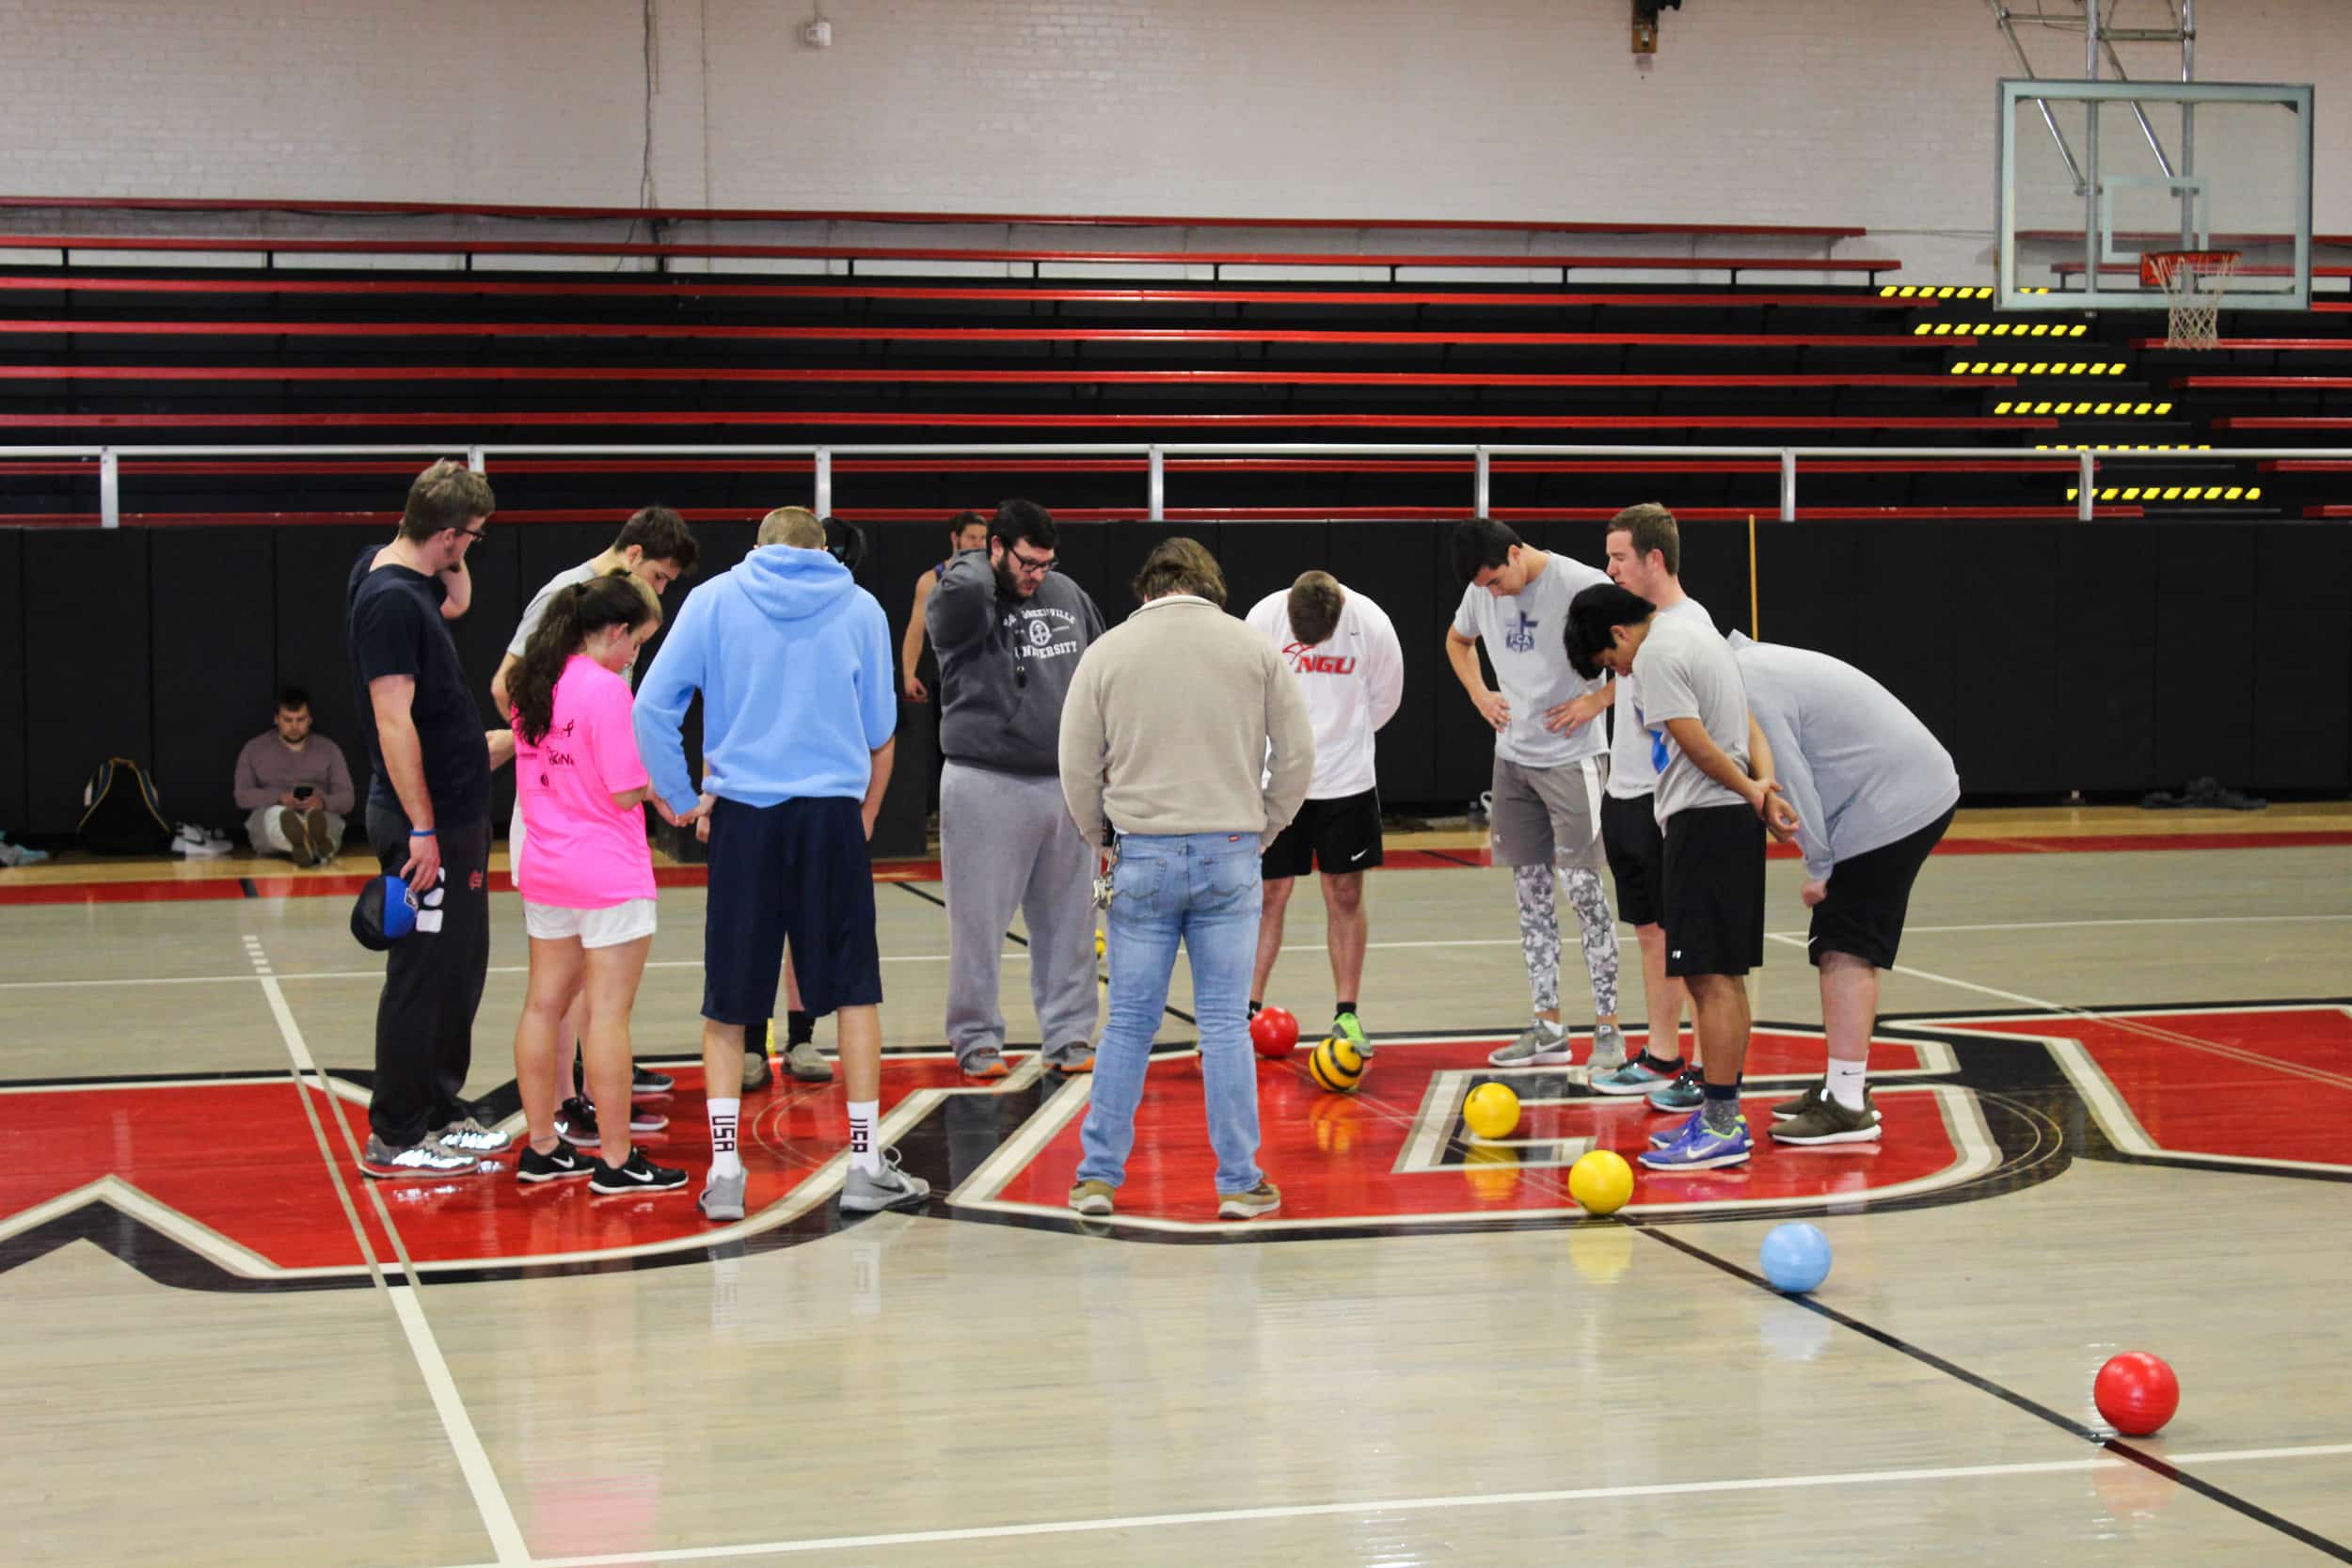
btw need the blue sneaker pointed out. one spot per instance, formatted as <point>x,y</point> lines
<point>1635,1077</point>
<point>1672,1136</point>
<point>1686,1093</point>
<point>1701,1147</point>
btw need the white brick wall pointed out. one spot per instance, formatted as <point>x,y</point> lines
<point>1766,111</point>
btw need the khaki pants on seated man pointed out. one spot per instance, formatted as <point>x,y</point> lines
<point>307,837</point>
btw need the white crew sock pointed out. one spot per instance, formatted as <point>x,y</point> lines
<point>862,1154</point>
<point>724,1160</point>
<point>1845,1083</point>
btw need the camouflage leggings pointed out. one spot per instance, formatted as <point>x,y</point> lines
<point>1539,935</point>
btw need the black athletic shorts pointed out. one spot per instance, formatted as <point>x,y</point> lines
<point>1637,857</point>
<point>1869,894</point>
<point>799,873</point>
<point>1714,891</point>
<point>1337,836</point>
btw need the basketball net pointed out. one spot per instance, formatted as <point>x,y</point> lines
<point>2194,282</point>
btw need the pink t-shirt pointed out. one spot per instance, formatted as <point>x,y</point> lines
<point>583,852</point>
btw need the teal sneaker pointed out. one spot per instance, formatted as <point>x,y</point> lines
<point>1634,1077</point>
<point>1686,1093</point>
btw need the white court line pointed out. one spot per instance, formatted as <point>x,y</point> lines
<point>497,1515</point>
<point>2092,1461</point>
<point>1022,957</point>
<point>506,1537</point>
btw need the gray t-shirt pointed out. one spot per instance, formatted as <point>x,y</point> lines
<point>538,607</point>
<point>1632,752</point>
<point>1687,672</point>
<point>1526,640</point>
<point>1860,770</point>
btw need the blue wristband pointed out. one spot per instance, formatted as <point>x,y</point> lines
<point>420,832</point>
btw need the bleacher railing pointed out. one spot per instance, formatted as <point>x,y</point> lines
<point>105,460</point>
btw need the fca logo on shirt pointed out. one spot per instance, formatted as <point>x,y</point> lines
<point>1520,638</point>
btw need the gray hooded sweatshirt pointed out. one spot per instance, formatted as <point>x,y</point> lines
<point>1860,769</point>
<point>1005,665</point>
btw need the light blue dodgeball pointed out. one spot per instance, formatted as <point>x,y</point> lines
<point>1795,1257</point>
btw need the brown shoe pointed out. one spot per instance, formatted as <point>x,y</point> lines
<point>297,832</point>
<point>1826,1121</point>
<point>1264,1198</point>
<point>1092,1198</point>
<point>322,845</point>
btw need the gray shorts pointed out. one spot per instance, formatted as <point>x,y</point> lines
<point>1549,815</point>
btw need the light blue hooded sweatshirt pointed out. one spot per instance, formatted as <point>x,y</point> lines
<point>793,660</point>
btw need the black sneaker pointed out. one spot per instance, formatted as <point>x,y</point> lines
<point>645,1083</point>
<point>640,1174</point>
<point>554,1166</point>
<point>575,1123</point>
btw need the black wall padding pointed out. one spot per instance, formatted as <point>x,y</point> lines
<point>213,657</point>
<point>2207,608</point>
<point>2049,657</point>
<point>88,696</point>
<point>1395,577</point>
<point>314,568</point>
<point>13,755</point>
<point>2298,658</point>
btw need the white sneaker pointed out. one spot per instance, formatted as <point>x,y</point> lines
<point>427,1159</point>
<point>469,1137</point>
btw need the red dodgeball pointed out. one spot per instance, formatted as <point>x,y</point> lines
<point>1273,1032</point>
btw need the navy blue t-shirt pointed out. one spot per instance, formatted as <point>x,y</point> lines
<point>394,628</point>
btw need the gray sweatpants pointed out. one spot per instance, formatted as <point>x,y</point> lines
<point>1007,843</point>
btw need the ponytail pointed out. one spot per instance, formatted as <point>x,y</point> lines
<point>576,613</point>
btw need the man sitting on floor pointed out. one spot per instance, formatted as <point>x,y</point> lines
<point>293,786</point>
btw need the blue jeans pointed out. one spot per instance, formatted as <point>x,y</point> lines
<point>1203,890</point>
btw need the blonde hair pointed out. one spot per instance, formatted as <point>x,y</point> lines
<point>447,495</point>
<point>796,526</point>
<point>1180,566</point>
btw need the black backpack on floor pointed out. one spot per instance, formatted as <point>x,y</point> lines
<point>121,813</point>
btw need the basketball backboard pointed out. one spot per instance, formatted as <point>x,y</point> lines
<point>2091,174</point>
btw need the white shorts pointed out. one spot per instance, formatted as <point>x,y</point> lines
<point>593,927</point>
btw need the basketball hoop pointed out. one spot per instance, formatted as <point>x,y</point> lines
<point>2193,283</point>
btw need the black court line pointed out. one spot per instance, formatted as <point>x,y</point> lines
<point>1442,855</point>
<point>250,891</point>
<point>1101,975</point>
<point>2109,1441</point>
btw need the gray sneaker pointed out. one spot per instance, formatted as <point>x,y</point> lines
<point>1608,1049</point>
<point>469,1137</point>
<point>893,1188</point>
<point>1789,1110</point>
<point>807,1063</point>
<point>757,1074</point>
<point>722,1196</point>
<point>1535,1047</point>
<point>423,1159</point>
<point>1826,1121</point>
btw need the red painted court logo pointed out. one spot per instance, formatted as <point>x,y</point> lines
<point>1973,1107</point>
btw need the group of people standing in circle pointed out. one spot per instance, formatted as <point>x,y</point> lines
<point>1180,770</point>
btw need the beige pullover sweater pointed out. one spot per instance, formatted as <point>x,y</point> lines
<point>1168,727</point>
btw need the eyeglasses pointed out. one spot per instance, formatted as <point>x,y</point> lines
<point>1029,566</point>
<point>475,532</point>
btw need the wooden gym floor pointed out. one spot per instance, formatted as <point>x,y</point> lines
<point>2116,1084</point>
